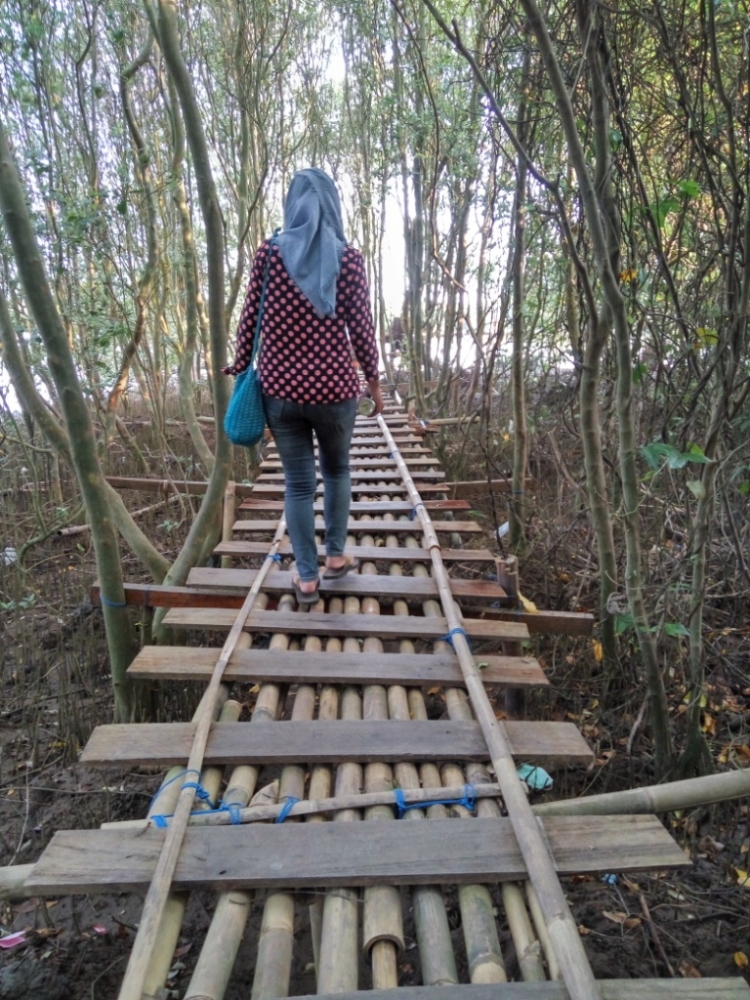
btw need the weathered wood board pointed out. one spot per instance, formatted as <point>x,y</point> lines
<point>370,527</point>
<point>168,743</point>
<point>612,989</point>
<point>414,588</point>
<point>299,667</point>
<point>362,506</point>
<point>373,476</point>
<point>322,623</point>
<point>307,855</point>
<point>373,553</point>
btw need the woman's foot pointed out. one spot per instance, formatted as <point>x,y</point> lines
<point>338,566</point>
<point>306,592</point>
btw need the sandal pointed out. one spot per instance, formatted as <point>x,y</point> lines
<point>349,566</point>
<point>303,599</point>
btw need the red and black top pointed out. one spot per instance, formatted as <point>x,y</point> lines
<point>304,357</point>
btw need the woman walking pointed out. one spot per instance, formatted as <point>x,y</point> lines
<point>316,312</point>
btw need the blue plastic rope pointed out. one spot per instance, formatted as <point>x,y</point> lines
<point>234,809</point>
<point>468,801</point>
<point>160,820</point>
<point>200,791</point>
<point>275,557</point>
<point>112,604</point>
<point>288,806</point>
<point>454,631</point>
<point>414,511</point>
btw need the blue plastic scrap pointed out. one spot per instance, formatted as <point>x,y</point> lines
<point>535,777</point>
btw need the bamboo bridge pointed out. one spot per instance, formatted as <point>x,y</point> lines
<point>346,802</point>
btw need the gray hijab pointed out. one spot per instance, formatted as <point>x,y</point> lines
<point>312,243</point>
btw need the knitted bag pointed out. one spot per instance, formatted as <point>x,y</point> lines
<point>245,418</point>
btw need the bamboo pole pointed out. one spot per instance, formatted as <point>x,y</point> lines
<point>315,809</point>
<point>221,944</point>
<point>163,803</point>
<point>537,918</point>
<point>528,949</point>
<point>430,918</point>
<point>540,866</point>
<point>320,786</point>
<point>273,965</point>
<point>338,968</point>
<point>168,933</point>
<point>655,798</point>
<point>219,951</point>
<point>227,520</point>
<point>671,797</point>
<point>477,911</point>
<point>339,960</point>
<point>383,929</point>
<point>158,892</point>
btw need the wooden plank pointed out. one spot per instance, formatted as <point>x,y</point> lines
<point>401,439</point>
<point>284,667</point>
<point>305,855</point>
<point>549,744</point>
<point>405,448</point>
<point>544,622</point>
<point>363,461</point>
<point>368,585</point>
<point>167,486</point>
<point>480,487</point>
<point>153,596</point>
<point>323,623</point>
<point>375,476</point>
<point>364,553</point>
<point>364,506</point>
<point>612,989</point>
<point>376,527</point>
<point>147,595</point>
<point>277,489</point>
<point>373,450</point>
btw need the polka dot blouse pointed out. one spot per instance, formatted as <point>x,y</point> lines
<point>303,357</point>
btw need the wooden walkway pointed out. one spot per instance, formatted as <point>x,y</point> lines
<point>366,708</point>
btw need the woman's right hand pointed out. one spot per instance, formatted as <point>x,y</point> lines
<point>376,394</point>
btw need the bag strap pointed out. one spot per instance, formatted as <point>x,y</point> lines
<point>266,271</point>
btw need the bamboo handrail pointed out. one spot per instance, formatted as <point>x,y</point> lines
<point>156,897</point>
<point>571,955</point>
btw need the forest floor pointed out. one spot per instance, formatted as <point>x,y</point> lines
<point>54,687</point>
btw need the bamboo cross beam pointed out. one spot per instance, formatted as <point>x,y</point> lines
<point>156,898</point>
<point>572,958</point>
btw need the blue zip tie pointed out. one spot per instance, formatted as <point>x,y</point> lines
<point>454,631</point>
<point>275,557</point>
<point>289,804</point>
<point>468,801</point>
<point>112,604</point>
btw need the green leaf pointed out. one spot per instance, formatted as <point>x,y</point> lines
<point>744,488</point>
<point>676,628</point>
<point>697,454</point>
<point>689,189</point>
<point>697,488</point>
<point>639,371</point>
<point>615,139</point>
<point>705,337</point>
<point>655,452</point>
<point>623,620</point>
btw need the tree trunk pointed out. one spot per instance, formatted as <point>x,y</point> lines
<point>120,637</point>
